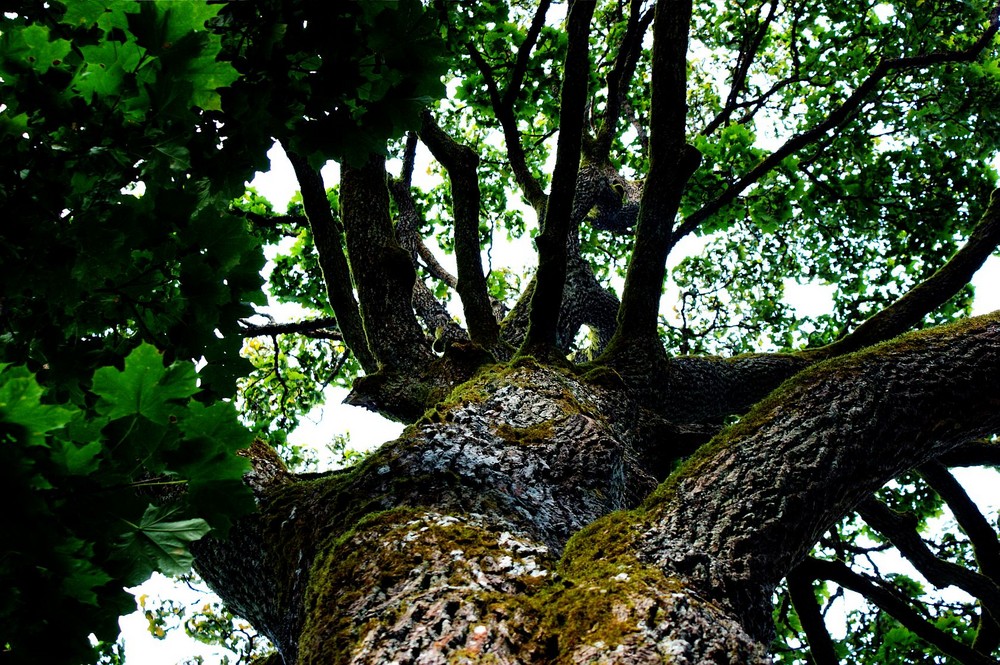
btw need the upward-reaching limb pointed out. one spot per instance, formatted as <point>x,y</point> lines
<point>327,234</point>
<point>384,294</point>
<point>672,162</point>
<point>551,242</point>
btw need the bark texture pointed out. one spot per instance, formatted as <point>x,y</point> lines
<point>510,523</point>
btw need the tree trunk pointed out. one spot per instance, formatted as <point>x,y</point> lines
<point>527,519</point>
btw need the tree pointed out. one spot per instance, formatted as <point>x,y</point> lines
<point>582,479</point>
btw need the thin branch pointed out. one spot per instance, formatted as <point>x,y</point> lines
<point>640,129</point>
<point>327,234</point>
<point>551,242</point>
<point>800,591</point>
<point>839,117</point>
<point>462,162</point>
<point>523,56</point>
<point>745,58</point>
<point>928,295</point>
<point>270,221</point>
<point>324,328</point>
<point>981,534</point>
<point>529,186</point>
<point>983,538</point>
<point>987,633</point>
<point>888,601</point>
<point>436,318</point>
<point>283,400</point>
<point>901,530</point>
<point>620,78</point>
<point>408,236</point>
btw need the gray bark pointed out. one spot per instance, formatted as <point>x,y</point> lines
<point>516,519</point>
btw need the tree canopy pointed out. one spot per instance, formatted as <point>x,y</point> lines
<point>741,448</point>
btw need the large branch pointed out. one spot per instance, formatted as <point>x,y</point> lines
<point>973,453</point>
<point>672,162</point>
<point>439,536</point>
<point>585,302</point>
<point>396,338</point>
<point>816,448</point>
<point>461,162</point>
<point>551,242</point>
<point>704,390</point>
<point>930,294</point>
<point>327,234</point>
<point>839,117</point>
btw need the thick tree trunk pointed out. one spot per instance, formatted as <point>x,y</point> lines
<point>519,519</point>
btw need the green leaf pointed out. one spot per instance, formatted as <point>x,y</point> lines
<point>208,460</point>
<point>41,52</point>
<point>20,404</point>
<point>163,544</point>
<point>84,13</point>
<point>77,460</point>
<point>82,576</point>
<point>144,387</point>
<point>105,69</point>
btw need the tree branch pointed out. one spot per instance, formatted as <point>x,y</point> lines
<point>800,591</point>
<point>901,530</point>
<point>461,163</point>
<point>326,232</point>
<point>894,605</point>
<point>324,328</point>
<point>745,58</point>
<point>396,338</point>
<point>409,157</point>
<point>814,450</point>
<point>973,453</point>
<point>930,294</point>
<point>981,534</point>
<point>529,186</point>
<point>839,117</point>
<point>523,55</point>
<point>269,221</point>
<point>620,79</point>
<point>436,318</point>
<point>408,234</point>
<point>672,162</point>
<point>551,242</point>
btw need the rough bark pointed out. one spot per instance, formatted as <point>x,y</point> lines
<point>551,242</point>
<point>328,234</point>
<point>509,522</point>
<point>391,327</point>
<point>462,163</point>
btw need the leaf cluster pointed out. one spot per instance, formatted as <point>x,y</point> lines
<point>108,490</point>
<point>335,88</point>
<point>122,266</point>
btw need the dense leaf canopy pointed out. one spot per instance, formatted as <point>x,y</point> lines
<point>848,146</point>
